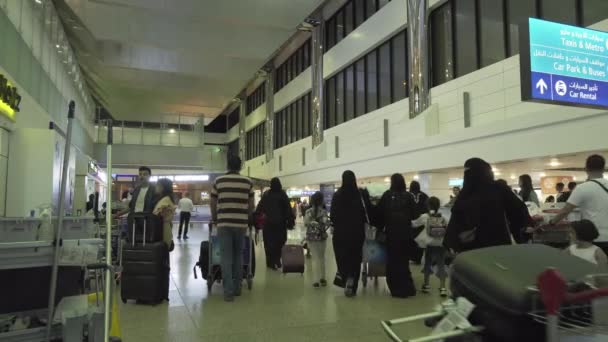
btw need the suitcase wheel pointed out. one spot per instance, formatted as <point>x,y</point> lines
<point>124,300</point>
<point>249,283</point>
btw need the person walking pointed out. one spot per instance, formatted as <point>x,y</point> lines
<point>162,214</point>
<point>485,213</point>
<point>435,226</point>
<point>348,216</point>
<point>316,220</point>
<point>185,207</point>
<point>231,208</point>
<point>396,211</point>
<point>527,192</point>
<point>591,198</point>
<point>420,208</point>
<point>279,215</point>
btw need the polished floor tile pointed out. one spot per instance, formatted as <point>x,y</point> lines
<point>278,308</point>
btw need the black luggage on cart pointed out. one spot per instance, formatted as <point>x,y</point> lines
<point>498,280</point>
<point>145,273</point>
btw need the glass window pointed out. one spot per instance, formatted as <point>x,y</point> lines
<point>349,20</point>
<point>340,32</point>
<point>299,118</point>
<point>331,102</point>
<point>294,123</point>
<point>297,56</point>
<point>306,55</point>
<point>339,98</point>
<point>399,67</point>
<point>518,12</point>
<point>307,116</point>
<point>371,6</point>
<point>277,131</point>
<point>330,33</point>
<point>491,32</point>
<point>562,11</point>
<point>294,66</point>
<point>594,11</point>
<point>288,135</point>
<point>384,62</point>
<point>349,96</point>
<point>360,85</point>
<point>381,3</point>
<point>465,43</point>
<point>359,12</point>
<point>372,81</point>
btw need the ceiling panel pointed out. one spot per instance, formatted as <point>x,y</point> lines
<point>146,58</point>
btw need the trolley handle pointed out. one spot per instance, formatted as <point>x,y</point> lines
<point>586,296</point>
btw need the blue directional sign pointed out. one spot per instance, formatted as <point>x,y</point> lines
<point>564,64</point>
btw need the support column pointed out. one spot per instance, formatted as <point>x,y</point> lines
<point>242,128</point>
<point>269,132</point>
<point>418,56</point>
<point>318,112</point>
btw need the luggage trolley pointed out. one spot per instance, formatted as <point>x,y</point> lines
<point>373,264</point>
<point>214,271</point>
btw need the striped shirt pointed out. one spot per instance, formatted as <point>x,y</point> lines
<point>233,193</point>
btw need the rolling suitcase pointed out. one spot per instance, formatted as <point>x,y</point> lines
<point>498,280</point>
<point>292,257</point>
<point>145,274</point>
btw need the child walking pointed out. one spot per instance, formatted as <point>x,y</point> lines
<point>585,233</point>
<point>435,227</point>
<point>316,221</point>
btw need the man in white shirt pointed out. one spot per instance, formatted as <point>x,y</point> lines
<point>185,207</point>
<point>591,198</point>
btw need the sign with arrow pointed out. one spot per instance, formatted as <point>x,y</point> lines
<point>563,64</point>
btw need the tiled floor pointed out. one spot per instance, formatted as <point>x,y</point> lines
<point>279,308</point>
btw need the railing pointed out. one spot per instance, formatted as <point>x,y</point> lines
<point>146,133</point>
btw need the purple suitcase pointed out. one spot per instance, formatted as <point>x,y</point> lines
<point>293,259</point>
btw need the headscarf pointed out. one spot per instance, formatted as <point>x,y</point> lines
<point>349,182</point>
<point>398,183</point>
<point>477,174</point>
<point>415,187</point>
<point>275,185</point>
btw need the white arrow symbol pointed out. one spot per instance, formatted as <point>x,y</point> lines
<point>541,85</point>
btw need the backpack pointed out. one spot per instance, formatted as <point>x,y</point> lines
<point>437,226</point>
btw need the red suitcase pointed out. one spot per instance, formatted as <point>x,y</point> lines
<point>293,259</point>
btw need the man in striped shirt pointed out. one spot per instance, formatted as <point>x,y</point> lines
<point>231,207</point>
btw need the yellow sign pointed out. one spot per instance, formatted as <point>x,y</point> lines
<point>9,99</point>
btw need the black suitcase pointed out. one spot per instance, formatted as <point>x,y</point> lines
<point>145,226</point>
<point>498,280</point>
<point>292,257</point>
<point>145,273</point>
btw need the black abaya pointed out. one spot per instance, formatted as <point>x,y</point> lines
<point>274,240</point>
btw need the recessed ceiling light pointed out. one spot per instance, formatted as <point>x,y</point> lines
<point>513,177</point>
<point>554,163</point>
<point>387,180</point>
<point>542,174</point>
<point>38,1</point>
<point>171,131</point>
<point>416,177</point>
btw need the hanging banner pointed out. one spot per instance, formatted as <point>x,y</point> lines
<point>563,64</point>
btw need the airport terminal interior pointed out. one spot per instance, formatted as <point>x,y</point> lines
<point>123,122</point>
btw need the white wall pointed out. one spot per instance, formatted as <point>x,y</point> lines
<point>503,127</point>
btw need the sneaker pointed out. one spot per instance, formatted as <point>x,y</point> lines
<point>185,237</point>
<point>426,289</point>
<point>323,282</point>
<point>443,292</point>
<point>316,285</point>
<point>228,299</point>
<point>179,237</point>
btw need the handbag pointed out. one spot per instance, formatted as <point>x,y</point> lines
<point>370,231</point>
